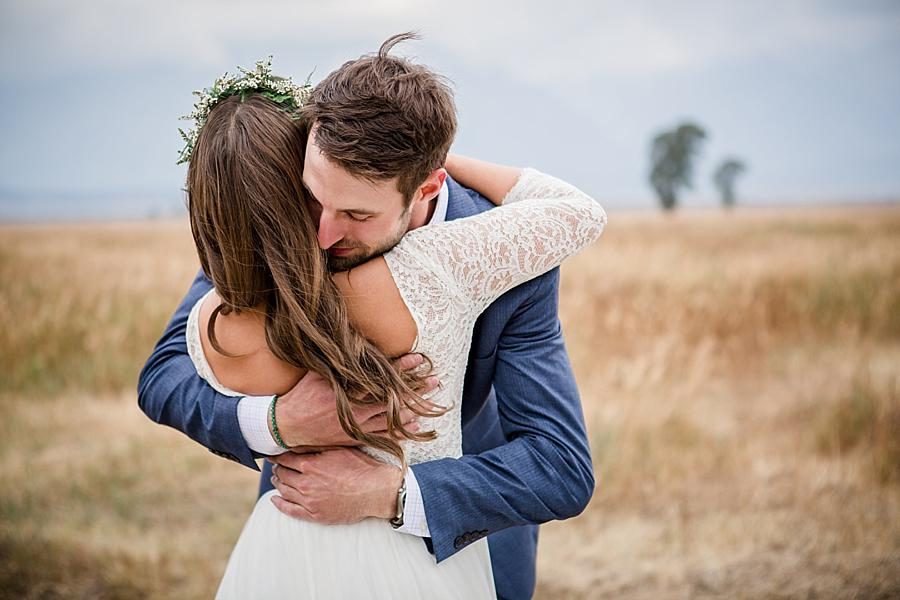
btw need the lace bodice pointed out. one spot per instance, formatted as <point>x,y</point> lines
<point>448,273</point>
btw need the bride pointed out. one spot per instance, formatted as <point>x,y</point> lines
<point>275,312</point>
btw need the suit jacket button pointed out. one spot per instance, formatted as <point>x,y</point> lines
<point>458,542</point>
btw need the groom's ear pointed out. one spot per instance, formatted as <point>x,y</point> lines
<point>432,185</point>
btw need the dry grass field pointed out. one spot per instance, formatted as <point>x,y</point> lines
<point>740,375</point>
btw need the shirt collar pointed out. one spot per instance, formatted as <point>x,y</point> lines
<point>440,209</point>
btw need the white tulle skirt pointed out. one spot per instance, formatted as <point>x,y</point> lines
<point>281,557</point>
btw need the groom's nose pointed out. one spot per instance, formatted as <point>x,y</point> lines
<point>330,231</point>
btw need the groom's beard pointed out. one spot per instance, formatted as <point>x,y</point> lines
<point>361,253</point>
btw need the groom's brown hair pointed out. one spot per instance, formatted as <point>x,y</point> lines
<point>382,116</point>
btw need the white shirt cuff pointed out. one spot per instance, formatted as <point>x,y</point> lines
<point>414,522</point>
<point>253,418</point>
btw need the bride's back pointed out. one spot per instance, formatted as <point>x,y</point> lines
<point>249,366</point>
<point>278,310</point>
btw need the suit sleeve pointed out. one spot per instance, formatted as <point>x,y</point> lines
<point>543,472</point>
<point>172,393</point>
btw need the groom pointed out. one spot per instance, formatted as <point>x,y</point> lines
<point>380,128</point>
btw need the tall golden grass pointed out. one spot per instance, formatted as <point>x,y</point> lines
<point>740,375</point>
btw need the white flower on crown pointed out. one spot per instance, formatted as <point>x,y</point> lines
<point>280,90</point>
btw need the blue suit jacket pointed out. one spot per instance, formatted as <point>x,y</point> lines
<point>526,456</point>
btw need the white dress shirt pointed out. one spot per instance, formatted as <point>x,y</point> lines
<point>253,418</point>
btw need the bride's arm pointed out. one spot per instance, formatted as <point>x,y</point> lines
<point>541,222</point>
<point>491,180</point>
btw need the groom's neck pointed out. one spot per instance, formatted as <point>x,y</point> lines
<point>422,214</point>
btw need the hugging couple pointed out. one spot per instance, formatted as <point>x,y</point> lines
<point>377,318</point>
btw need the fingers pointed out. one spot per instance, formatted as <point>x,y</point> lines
<point>291,460</point>
<point>292,486</point>
<point>367,412</point>
<point>287,492</point>
<point>377,409</point>
<point>378,424</point>
<point>291,509</point>
<point>407,416</point>
<point>287,476</point>
<point>366,415</point>
<point>411,362</point>
<point>291,501</point>
<point>423,387</point>
<point>430,384</point>
<point>372,418</point>
<point>379,421</point>
<point>412,426</point>
<point>295,462</point>
<point>375,425</point>
<point>409,420</point>
<point>408,362</point>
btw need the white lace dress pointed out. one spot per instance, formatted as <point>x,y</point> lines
<point>447,274</point>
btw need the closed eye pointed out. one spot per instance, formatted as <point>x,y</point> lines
<point>358,217</point>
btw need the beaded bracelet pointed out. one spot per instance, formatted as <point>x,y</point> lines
<point>275,433</point>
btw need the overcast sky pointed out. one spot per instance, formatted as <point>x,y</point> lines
<point>807,93</point>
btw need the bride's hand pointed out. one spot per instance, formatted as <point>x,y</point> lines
<point>491,180</point>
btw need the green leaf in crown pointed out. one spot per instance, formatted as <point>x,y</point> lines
<point>280,90</point>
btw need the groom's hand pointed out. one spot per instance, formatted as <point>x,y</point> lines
<point>343,485</point>
<point>307,416</point>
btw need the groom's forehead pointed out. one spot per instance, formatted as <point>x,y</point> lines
<point>328,177</point>
<point>335,188</point>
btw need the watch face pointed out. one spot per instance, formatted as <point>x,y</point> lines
<point>401,504</point>
<point>397,521</point>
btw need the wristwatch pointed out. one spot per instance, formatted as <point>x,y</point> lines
<point>397,521</point>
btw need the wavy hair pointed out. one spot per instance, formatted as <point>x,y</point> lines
<point>256,239</point>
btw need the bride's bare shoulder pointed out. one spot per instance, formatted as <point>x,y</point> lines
<point>248,365</point>
<point>376,307</point>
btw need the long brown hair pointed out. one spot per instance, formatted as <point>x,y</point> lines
<point>257,242</point>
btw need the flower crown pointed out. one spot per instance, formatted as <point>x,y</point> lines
<point>280,90</point>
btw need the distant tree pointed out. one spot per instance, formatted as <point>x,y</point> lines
<point>672,159</point>
<point>724,178</point>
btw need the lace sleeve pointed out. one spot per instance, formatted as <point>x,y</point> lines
<point>541,222</point>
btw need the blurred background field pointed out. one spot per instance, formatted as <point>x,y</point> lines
<point>740,370</point>
<point>740,375</point>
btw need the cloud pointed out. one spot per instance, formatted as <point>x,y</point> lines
<point>589,82</point>
<point>545,43</point>
<point>50,36</point>
<point>569,42</point>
